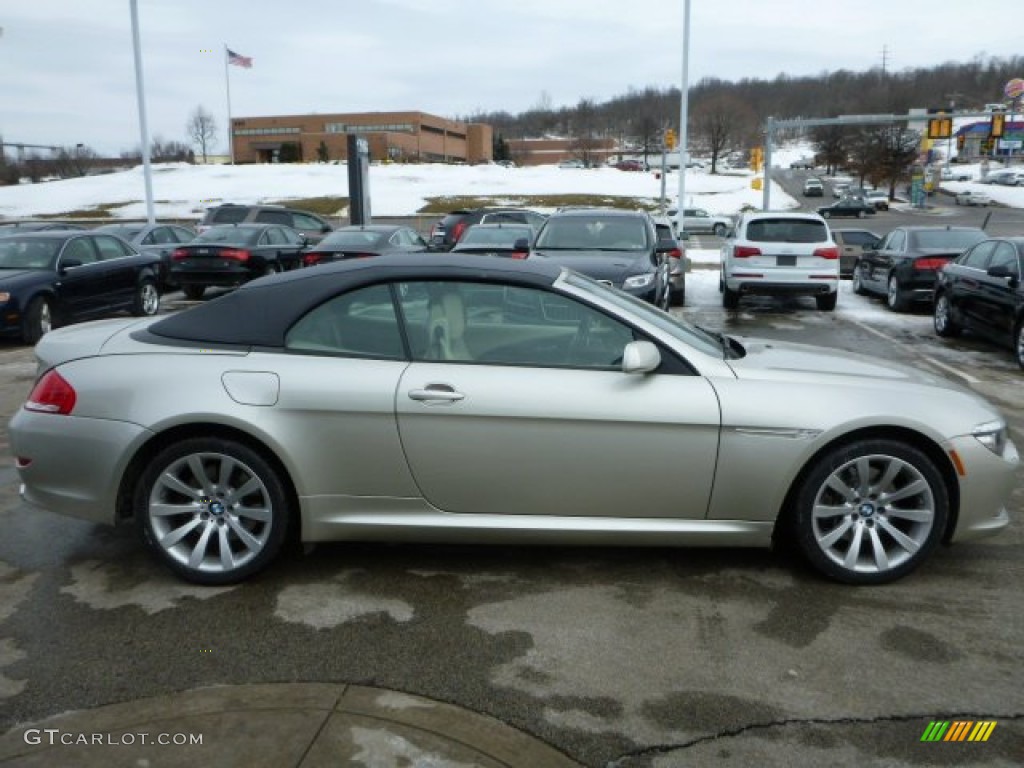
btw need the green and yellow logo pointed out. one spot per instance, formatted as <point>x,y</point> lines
<point>958,730</point>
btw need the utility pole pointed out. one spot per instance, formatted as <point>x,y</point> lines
<point>885,59</point>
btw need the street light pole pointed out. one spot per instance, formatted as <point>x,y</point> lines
<point>684,97</point>
<point>143,127</point>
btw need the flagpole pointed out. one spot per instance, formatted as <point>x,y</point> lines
<point>231,132</point>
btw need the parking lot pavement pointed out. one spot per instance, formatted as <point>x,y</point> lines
<point>611,657</point>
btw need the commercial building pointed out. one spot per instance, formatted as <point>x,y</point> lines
<point>974,141</point>
<point>554,151</point>
<point>396,136</point>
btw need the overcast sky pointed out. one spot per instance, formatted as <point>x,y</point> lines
<point>67,74</point>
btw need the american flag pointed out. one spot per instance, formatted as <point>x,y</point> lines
<point>238,60</point>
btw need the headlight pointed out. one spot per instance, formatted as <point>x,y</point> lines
<point>639,281</point>
<point>992,435</point>
<point>4,298</point>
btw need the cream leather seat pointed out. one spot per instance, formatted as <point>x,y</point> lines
<point>447,328</point>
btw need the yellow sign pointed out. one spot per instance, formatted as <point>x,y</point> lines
<point>757,183</point>
<point>670,139</point>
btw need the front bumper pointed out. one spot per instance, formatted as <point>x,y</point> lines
<point>75,464</point>
<point>985,488</point>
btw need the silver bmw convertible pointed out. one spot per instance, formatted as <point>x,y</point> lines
<point>495,401</point>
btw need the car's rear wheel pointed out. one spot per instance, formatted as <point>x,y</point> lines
<point>827,302</point>
<point>719,230</point>
<point>943,320</point>
<point>38,320</point>
<point>894,298</point>
<point>147,299</point>
<point>871,511</point>
<point>855,280</point>
<point>194,292</point>
<point>213,510</point>
<point>730,298</point>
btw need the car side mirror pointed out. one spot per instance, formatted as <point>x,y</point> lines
<point>325,228</point>
<point>640,357</point>
<point>1000,271</point>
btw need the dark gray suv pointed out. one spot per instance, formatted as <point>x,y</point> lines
<point>305,223</point>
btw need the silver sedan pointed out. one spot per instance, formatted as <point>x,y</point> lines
<point>460,399</point>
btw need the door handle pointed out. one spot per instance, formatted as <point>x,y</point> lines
<point>436,394</point>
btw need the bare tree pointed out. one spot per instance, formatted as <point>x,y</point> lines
<point>202,129</point>
<point>722,123</point>
<point>73,161</point>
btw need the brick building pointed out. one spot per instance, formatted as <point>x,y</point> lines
<point>552,151</point>
<point>398,136</point>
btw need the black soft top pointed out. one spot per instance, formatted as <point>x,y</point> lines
<point>260,313</point>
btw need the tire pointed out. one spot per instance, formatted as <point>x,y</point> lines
<point>942,317</point>
<point>826,215</point>
<point>270,269</point>
<point>730,298</point>
<point>848,529</point>
<point>218,538</point>
<point>38,320</point>
<point>1018,343</point>
<point>827,302</point>
<point>678,298</point>
<point>860,214</point>
<point>894,298</point>
<point>147,299</point>
<point>857,285</point>
<point>194,292</point>
<point>719,230</point>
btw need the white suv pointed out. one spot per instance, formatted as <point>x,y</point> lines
<point>780,253</point>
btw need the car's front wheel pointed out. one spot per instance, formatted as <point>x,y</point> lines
<point>147,299</point>
<point>719,230</point>
<point>856,282</point>
<point>38,320</point>
<point>214,510</point>
<point>860,214</point>
<point>871,511</point>
<point>942,319</point>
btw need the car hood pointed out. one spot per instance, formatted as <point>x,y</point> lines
<point>781,360</point>
<point>16,277</point>
<point>615,266</point>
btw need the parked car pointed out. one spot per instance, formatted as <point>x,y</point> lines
<point>948,174</point>
<point>309,225</point>
<point>698,221</point>
<point>851,244</point>
<point>806,163</point>
<point>840,189</point>
<point>631,165</point>
<point>814,188</point>
<point>54,278</point>
<point>156,239</point>
<point>1010,178</point>
<point>903,266</point>
<point>850,207</point>
<point>454,398</point>
<point>997,176</point>
<point>971,197</point>
<point>780,253</point>
<point>571,164</point>
<point>506,240</point>
<point>362,241</point>
<point>981,291</point>
<point>447,232</point>
<point>618,247</point>
<point>878,198</point>
<point>234,254</point>
<point>679,262</point>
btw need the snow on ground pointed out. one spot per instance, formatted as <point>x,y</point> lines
<point>182,191</point>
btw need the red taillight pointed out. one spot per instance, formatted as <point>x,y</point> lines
<point>745,251</point>
<point>457,231</point>
<point>179,254</point>
<point>930,263</point>
<point>827,253</point>
<point>519,254</point>
<point>311,259</point>
<point>675,253</point>
<point>235,254</point>
<point>52,394</point>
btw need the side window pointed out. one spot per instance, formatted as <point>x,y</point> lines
<point>151,237</point>
<point>1005,256</point>
<point>110,248</point>
<point>978,257</point>
<point>275,236</point>
<point>360,323</point>
<point>291,237</point>
<point>232,215</point>
<point>162,235</point>
<point>274,217</point>
<point>508,325</point>
<point>304,221</point>
<point>181,235</point>
<point>80,249</point>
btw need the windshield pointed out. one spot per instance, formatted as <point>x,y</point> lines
<point>680,329</point>
<point>593,233</point>
<point>28,253</point>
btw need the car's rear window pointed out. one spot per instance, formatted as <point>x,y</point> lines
<point>787,231</point>
<point>947,238</point>
<point>228,215</point>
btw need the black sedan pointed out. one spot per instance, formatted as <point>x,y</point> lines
<point>619,248</point>
<point>156,239</point>
<point>508,240</point>
<point>60,277</point>
<point>981,291</point>
<point>360,242</point>
<point>234,254</point>
<point>903,266</point>
<point>854,207</point>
